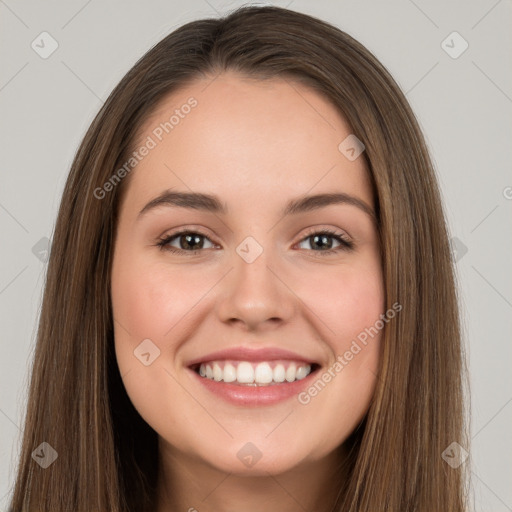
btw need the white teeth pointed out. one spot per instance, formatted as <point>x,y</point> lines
<point>229,373</point>
<point>263,374</point>
<point>245,373</point>
<point>217,372</point>
<point>279,373</point>
<point>290,373</point>
<point>301,373</point>
<point>254,374</point>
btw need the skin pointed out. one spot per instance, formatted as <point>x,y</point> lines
<point>256,145</point>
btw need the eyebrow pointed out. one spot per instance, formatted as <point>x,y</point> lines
<point>211,203</point>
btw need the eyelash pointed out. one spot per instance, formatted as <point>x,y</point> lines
<point>345,244</point>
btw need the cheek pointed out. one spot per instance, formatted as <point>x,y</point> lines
<point>149,299</point>
<point>349,303</point>
<point>348,300</point>
<point>151,302</point>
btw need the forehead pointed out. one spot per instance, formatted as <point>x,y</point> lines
<point>240,137</point>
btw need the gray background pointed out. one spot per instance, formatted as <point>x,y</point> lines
<point>464,106</point>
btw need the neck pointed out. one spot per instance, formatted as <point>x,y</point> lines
<point>186,483</point>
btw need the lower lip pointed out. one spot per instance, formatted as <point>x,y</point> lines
<point>251,396</point>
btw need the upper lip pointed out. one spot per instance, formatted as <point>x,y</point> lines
<point>251,354</point>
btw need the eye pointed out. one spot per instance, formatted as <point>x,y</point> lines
<point>188,241</point>
<point>322,239</point>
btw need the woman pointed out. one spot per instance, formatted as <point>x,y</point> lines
<point>199,348</point>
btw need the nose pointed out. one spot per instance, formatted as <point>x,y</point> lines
<point>256,295</point>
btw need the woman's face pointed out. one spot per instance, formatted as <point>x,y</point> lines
<point>248,270</point>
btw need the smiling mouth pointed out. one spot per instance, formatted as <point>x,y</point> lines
<point>257,374</point>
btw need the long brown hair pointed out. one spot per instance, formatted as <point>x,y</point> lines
<point>107,455</point>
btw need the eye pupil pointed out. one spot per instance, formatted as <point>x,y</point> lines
<point>188,238</point>
<point>324,238</point>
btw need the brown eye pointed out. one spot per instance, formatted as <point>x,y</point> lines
<point>187,241</point>
<point>322,242</point>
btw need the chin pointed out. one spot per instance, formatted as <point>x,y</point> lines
<point>253,458</point>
